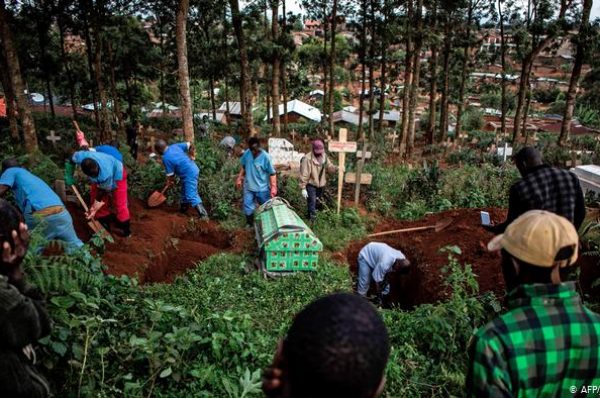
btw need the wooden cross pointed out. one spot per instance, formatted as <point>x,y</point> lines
<point>152,141</point>
<point>306,139</point>
<point>293,134</point>
<point>393,136</point>
<point>53,138</point>
<point>359,173</point>
<point>342,147</point>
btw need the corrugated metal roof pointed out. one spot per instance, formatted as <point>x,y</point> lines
<point>235,107</point>
<point>301,108</point>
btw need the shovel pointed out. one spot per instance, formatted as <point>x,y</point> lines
<point>441,225</point>
<point>158,198</point>
<point>93,223</point>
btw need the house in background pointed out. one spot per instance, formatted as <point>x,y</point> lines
<point>235,110</point>
<point>297,111</point>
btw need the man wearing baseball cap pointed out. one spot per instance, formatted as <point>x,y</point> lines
<point>548,343</point>
<point>313,176</point>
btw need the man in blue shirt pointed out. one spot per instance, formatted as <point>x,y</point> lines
<point>109,186</point>
<point>375,262</point>
<point>178,160</point>
<point>257,176</point>
<point>38,202</point>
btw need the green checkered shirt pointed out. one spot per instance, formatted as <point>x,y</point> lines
<point>546,345</point>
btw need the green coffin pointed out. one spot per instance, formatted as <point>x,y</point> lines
<point>285,241</point>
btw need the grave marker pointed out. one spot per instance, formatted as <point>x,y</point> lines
<point>53,138</point>
<point>342,147</point>
<point>358,178</point>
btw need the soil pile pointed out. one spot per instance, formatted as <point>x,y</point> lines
<point>164,243</point>
<point>424,283</point>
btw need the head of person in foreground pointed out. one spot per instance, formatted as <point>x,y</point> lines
<point>337,346</point>
<point>536,247</point>
<point>14,240</point>
<point>528,159</point>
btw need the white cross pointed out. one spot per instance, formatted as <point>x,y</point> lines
<point>53,137</point>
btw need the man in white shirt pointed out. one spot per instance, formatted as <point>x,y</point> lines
<point>375,262</point>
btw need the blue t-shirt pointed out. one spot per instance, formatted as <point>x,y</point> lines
<point>110,150</point>
<point>111,170</point>
<point>380,258</point>
<point>257,170</point>
<point>177,161</point>
<point>31,192</point>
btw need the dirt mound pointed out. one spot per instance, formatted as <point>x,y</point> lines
<point>164,243</point>
<point>424,283</point>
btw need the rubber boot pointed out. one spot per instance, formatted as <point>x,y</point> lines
<point>106,221</point>
<point>201,211</point>
<point>183,208</point>
<point>250,221</point>
<point>125,226</point>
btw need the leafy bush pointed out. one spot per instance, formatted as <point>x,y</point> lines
<point>546,96</point>
<point>429,345</point>
<point>473,119</point>
<point>336,231</point>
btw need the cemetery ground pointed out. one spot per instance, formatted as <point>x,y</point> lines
<point>179,310</point>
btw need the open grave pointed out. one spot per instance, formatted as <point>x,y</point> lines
<point>424,282</point>
<point>164,243</point>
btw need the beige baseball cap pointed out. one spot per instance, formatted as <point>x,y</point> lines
<point>536,237</point>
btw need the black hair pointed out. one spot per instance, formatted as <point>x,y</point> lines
<point>528,156</point>
<point>9,163</point>
<point>10,218</point>
<point>338,346</point>
<point>253,141</point>
<point>90,167</point>
<point>528,273</point>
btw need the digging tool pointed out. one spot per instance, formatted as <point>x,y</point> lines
<point>439,226</point>
<point>158,198</point>
<point>93,223</point>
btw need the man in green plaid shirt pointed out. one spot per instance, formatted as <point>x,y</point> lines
<point>548,343</point>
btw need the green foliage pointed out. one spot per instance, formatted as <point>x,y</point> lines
<point>546,96</point>
<point>336,231</point>
<point>398,191</point>
<point>429,345</point>
<point>473,119</point>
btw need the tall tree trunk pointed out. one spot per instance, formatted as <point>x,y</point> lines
<point>90,59</point>
<point>504,102</point>
<point>213,106</point>
<point>332,66</point>
<point>16,81</point>
<point>113,88</point>
<point>433,64</point>
<point>463,72</point>
<point>105,125</point>
<point>9,98</point>
<point>371,73</point>
<point>414,90</point>
<point>42,32</point>
<point>324,107</point>
<point>67,66</point>
<point>444,103</point>
<point>246,83</point>
<point>227,115</point>
<point>284,77</point>
<point>582,49</point>
<point>382,80</point>
<point>183,71</point>
<point>363,71</point>
<point>526,67</point>
<point>407,73</point>
<point>276,73</point>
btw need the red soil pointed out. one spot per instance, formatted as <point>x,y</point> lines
<point>164,243</point>
<point>424,283</point>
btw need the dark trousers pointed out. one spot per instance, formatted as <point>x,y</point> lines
<point>314,194</point>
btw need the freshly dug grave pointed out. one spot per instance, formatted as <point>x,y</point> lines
<point>164,243</point>
<point>424,283</point>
